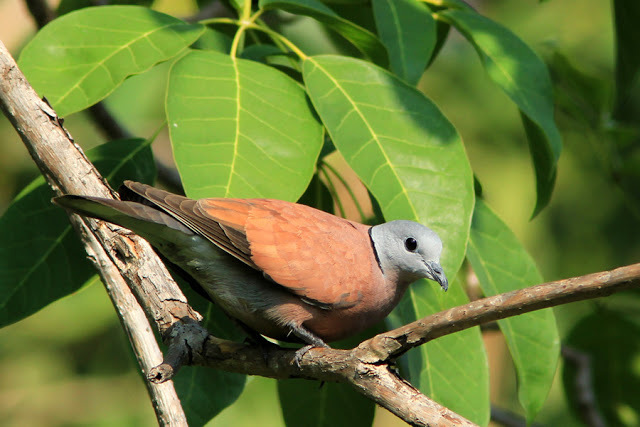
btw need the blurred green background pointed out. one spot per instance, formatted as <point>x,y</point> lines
<point>70,365</point>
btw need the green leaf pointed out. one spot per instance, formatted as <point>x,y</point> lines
<point>213,40</point>
<point>452,369</point>
<point>41,258</point>
<point>503,265</point>
<point>205,392</point>
<point>400,145</point>
<point>240,128</point>
<point>627,16</point>
<point>309,404</point>
<point>408,31</point>
<point>412,160</point>
<point>365,41</point>
<point>610,341</point>
<point>80,58</point>
<point>67,6</point>
<point>522,75</point>
<point>317,195</point>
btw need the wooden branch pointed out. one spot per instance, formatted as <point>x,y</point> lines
<point>67,170</point>
<point>366,367</point>
<point>397,342</point>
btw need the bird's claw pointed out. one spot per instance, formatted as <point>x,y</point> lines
<point>300,354</point>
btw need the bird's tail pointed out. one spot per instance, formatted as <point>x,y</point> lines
<point>145,220</point>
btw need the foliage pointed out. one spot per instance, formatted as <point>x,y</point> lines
<point>250,114</point>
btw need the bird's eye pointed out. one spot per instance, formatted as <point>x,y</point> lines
<point>411,244</point>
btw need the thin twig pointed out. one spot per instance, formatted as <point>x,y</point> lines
<point>583,388</point>
<point>485,310</point>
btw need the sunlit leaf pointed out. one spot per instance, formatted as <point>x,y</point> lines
<point>41,258</point>
<point>502,265</point>
<point>240,128</point>
<point>413,162</point>
<point>66,6</point>
<point>408,31</point>
<point>522,75</point>
<point>81,57</point>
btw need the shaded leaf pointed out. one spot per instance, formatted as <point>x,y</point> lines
<point>412,160</point>
<point>452,369</point>
<point>213,40</point>
<point>80,58</point>
<point>365,41</point>
<point>522,75</point>
<point>502,265</point>
<point>240,128</point>
<point>205,392</point>
<point>41,258</point>
<point>317,196</point>
<point>626,18</point>
<point>408,31</point>
<point>610,342</point>
<point>309,404</point>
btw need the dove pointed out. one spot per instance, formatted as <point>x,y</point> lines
<point>284,270</point>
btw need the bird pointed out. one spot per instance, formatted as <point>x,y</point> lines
<point>281,269</point>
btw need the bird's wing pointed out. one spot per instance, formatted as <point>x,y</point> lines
<point>227,235</point>
<point>326,260</point>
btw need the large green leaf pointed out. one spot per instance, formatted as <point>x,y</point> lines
<point>503,265</point>
<point>308,404</point>
<point>398,142</point>
<point>522,75</point>
<point>412,160</point>
<point>80,58</point>
<point>627,15</point>
<point>41,258</point>
<point>67,6</point>
<point>408,31</point>
<point>453,369</point>
<point>205,392</point>
<point>240,128</point>
<point>365,41</point>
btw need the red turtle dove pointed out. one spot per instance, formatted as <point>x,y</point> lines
<point>280,268</point>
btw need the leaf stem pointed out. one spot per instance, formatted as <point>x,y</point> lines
<point>244,24</point>
<point>277,36</point>
<point>334,171</point>
<point>214,21</point>
<point>332,190</point>
<point>246,10</point>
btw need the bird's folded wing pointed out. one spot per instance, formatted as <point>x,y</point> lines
<point>325,260</point>
<point>230,239</point>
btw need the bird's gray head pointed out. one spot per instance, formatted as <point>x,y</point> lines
<point>409,250</point>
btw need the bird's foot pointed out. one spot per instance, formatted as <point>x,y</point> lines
<point>300,354</point>
<point>307,336</point>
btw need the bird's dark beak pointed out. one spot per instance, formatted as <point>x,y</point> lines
<point>438,274</point>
